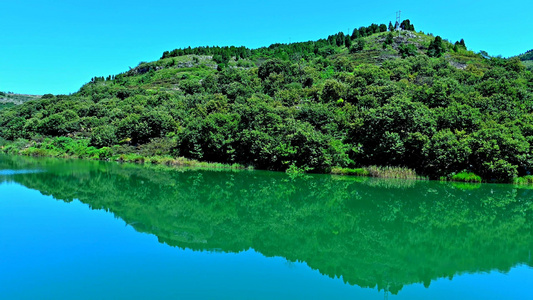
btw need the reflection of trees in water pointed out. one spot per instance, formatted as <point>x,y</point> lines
<point>368,232</point>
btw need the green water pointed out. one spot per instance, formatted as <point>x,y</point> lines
<point>83,230</point>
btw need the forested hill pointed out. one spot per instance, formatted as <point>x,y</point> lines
<point>9,99</point>
<point>527,59</point>
<point>378,96</point>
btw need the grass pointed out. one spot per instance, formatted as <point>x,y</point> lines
<point>71,148</point>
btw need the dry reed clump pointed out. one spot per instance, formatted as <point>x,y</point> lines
<point>392,172</point>
<point>379,172</point>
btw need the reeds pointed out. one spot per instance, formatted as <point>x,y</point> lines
<point>380,172</point>
<point>393,172</point>
<point>177,162</point>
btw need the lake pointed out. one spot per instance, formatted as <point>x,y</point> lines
<point>74,229</point>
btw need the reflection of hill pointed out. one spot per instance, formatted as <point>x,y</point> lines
<point>370,233</point>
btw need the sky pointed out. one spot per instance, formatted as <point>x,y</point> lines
<point>57,46</point>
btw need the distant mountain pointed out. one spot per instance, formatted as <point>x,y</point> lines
<point>10,99</point>
<point>526,56</point>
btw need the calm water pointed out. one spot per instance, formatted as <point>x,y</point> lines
<point>96,230</point>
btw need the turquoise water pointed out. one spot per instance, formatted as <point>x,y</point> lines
<point>97,230</point>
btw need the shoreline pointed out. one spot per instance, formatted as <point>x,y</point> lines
<point>79,149</point>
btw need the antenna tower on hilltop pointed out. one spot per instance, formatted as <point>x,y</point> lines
<point>398,22</point>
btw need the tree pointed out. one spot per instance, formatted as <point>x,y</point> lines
<point>339,39</point>
<point>347,41</point>
<point>459,44</point>
<point>389,39</point>
<point>356,34</point>
<point>374,28</point>
<point>104,136</point>
<point>436,47</point>
<point>391,27</point>
<point>363,31</point>
<point>407,50</point>
<point>406,25</point>
<point>358,46</point>
<point>332,91</point>
<point>272,66</point>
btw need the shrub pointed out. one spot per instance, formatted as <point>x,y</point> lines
<point>348,171</point>
<point>466,177</point>
<point>407,50</point>
<point>358,46</point>
<point>528,179</point>
<point>104,136</point>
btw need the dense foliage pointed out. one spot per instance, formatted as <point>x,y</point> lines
<point>527,59</point>
<point>370,98</point>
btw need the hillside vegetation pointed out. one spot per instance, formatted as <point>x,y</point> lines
<point>375,97</point>
<point>527,59</point>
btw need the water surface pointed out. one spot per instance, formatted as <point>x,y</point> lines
<point>96,230</point>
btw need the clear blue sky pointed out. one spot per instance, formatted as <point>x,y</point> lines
<point>57,46</point>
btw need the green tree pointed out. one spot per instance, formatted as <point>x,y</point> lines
<point>407,50</point>
<point>332,91</point>
<point>47,96</point>
<point>391,27</point>
<point>347,41</point>
<point>389,39</point>
<point>406,25</point>
<point>355,34</point>
<point>52,125</point>
<point>364,32</point>
<point>358,46</point>
<point>436,47</point>
<point>104,136</point>
<point>447,152</point>
<point>339,40</point>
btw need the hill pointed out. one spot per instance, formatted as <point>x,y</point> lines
<point>375,97</point>
<point>527,59</point>
<point>11,99</point>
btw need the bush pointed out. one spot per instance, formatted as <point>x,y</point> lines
<point>528,179</point>
<point>52,125</point>
<point>358,46</point>
<point>466,177</point>
<point>348,171</point>
<point>104,136</point>
<point>407,50</point>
